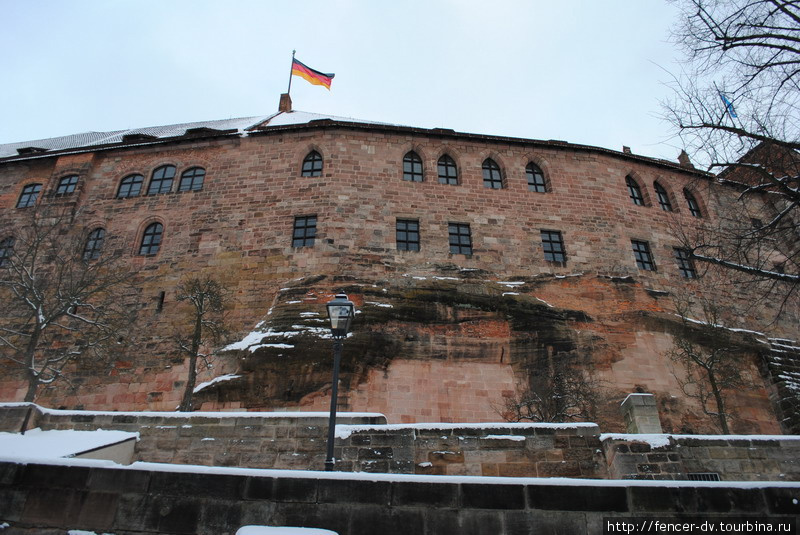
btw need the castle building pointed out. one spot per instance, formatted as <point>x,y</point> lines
<point>479,264</point>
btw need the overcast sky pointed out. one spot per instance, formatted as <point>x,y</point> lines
<point>590,72</point>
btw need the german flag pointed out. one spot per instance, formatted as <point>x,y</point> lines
<point>312,76</point>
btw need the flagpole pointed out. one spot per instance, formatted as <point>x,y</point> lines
<point>288,91</point>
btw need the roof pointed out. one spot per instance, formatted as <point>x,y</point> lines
<point>246,126</point>
<point>238,126</point>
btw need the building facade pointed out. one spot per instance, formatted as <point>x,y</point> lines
<point>478,264</point>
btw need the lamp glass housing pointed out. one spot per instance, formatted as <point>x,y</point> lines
<point>340,311</point>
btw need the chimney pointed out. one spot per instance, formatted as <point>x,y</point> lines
<point>684,160</point>
<point>626,150</point>
<point>286,103</point>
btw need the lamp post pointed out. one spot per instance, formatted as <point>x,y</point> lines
<point>341,312</point>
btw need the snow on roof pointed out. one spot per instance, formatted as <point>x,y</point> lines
<point>53,444</point>
<point>240,125</point>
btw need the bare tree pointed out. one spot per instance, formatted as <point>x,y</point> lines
<point>61,301</point>
<point>556,392</point>
<point>735,108</point>
<point>207,301</point>
<point>708,362</point>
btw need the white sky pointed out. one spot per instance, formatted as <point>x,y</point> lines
<point>586,71</point>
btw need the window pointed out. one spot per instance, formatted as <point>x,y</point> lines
<point>192,179</point>
<point>460,238</point>
<point>28,196</point>
<point>491,175</point>
<point>685,263</point>
<point>305,229</point>
<point>312,164</point>
<point>162,180</point>
<point>448,173</point>
<point>94,243</point>
<point>694,208</point>
<point>412,167</point>
<point>407,235</point>
<point>131,186</point>
<point>151,240</point>
<point>641,252</point>
<point>663,198</point>
<point>6,248</point>
<point>634,191</point>
<point>67,185</point>
<point>553,246</point>
<point>535,178</point>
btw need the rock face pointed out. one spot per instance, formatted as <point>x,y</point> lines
<point>444,332</point>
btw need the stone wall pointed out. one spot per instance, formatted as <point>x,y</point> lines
<point>147,499</point>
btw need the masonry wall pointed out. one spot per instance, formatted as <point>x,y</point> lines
<point>36,498</point>
<point>239,227</point>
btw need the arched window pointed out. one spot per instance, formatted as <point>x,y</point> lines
<point>535,178</point>
<point>94,243</point>
<point>663,198</point>
<point>151,239</point>
<point>6,248</point>
<point>67,185</point>
<point>312,164</point>
<point>491,174</point>
<point>131,186</point>
<point>634,191</point>
<point>162,180</point>
<point>448,172</point>
<point>694,208</point>
<point>192,179</point>
<point>28,196</point>
<point>412,167</point>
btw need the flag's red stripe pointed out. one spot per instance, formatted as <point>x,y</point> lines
<point>309,74</point>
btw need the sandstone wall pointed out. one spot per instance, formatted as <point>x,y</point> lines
<point>467,333</point>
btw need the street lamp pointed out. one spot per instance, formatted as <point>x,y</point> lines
<point>341,312</point>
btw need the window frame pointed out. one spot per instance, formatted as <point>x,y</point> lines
<point>67,185</point>
<point>691,202</point>
<point>29,195</point>
<point>492,174</point>
<point>162,179</point>
<point>448,164</point>
<point>151,241</point>
<point>643,255</point>
<point>663,197</point>
<point>133,182</point>
<point>309,231</point>
<point>548,246</point>
<point>192,179</point>
<point>634,191</point>
<point>309,167</point>
<point>685,263</point>
<point>412,167</point>
<point>536,179</point>
<point>94,244</point>
<point>461,247</point>
<point>407,241</point>
<point>6,249</point>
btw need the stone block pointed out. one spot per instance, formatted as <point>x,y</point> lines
<point>121,481</point>
<point>497,497</point>
<point>558,469</point>
<point>577,498</point>
<point>373,519</point>
<point>345,491</point>
<point>196,485</point>
<point>662,499</point>
<point>782,501</point>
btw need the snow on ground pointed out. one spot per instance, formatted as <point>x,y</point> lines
<point>215,380</point>
<point>36,443</point>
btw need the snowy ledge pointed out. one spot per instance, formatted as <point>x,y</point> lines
<point>176,414</point>
<point>344,431</point>
<point>400,478</point>
<point>659,440</point>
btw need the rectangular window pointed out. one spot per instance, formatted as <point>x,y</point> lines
<point>685,264</point>
<point>305,230</point>
<point>460,238</point>
<point>641,252</point>
<point>407,235</point>
<point>553,246</point>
